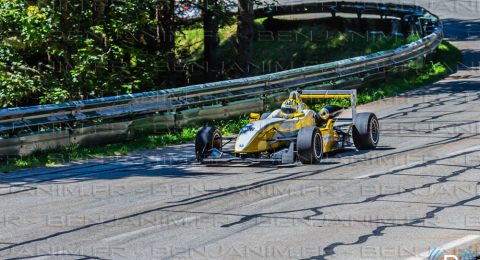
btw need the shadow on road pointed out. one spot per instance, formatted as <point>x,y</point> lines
<point>467,32</point>
<point>462,30</point>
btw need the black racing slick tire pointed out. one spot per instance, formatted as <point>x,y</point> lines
<point>366,131</point>
<point>309,145</point>
<point>208,137</point>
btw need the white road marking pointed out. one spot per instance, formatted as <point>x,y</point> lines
<point>464,150</point>
<point>401,167</point>
<point>447,246</point>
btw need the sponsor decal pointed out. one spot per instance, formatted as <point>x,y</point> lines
<point>247,128</point>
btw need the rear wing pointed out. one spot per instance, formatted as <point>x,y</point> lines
<point>323,94</point>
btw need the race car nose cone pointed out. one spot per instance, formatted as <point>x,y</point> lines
<point>249,137</point>
<point>246,135</point>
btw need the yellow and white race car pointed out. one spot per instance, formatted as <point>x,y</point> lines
<point>292,133</point>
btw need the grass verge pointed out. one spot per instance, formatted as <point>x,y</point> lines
<point>410,77</point>
<point>74,153</point>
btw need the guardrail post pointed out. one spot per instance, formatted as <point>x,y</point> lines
<point>333,11</point>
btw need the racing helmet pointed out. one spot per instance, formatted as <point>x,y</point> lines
<point>289,106</point>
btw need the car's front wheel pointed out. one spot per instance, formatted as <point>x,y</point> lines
<point>366,131</point>
<point>208,138</point>
<point>309,145</point>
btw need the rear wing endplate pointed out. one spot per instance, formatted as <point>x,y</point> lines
<point>323,94</point>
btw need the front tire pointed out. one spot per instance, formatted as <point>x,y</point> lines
<point>366,131</point>
<point>309,145</point>
<point>208,137</point>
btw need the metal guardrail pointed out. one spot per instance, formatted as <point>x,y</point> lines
<point>27,129</point>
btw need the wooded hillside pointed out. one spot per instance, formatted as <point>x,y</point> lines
<point>57,50</point>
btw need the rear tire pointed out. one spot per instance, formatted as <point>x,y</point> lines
<point>366,131</point>
<point>208,137</point>
<point>309,145</point>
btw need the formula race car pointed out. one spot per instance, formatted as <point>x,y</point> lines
<point>292,133</point>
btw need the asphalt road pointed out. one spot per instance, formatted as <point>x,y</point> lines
<point>419,190</point>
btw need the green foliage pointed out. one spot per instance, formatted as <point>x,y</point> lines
<point>55,96</point>
<point>413,37</point>
<point>88,49</point>
<point>449,55</point>
<point>232,126</point>
<point>17,82</point>
<point>27,29</point>
<point>53,51</point>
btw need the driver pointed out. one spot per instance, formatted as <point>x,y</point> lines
<point>291,106</point>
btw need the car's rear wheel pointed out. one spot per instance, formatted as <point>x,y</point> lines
<point>366,131</point>
<point>309,145</point>
<point>208,138</point>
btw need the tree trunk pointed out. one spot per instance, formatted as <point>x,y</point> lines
<point>211,42</point>
<point>64,43</point>
<point>244,39</point>
<point>101,11</point>
<point>99,7</point>
<point>165,36</point>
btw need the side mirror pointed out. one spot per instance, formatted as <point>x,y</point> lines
<point>254,117</point>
